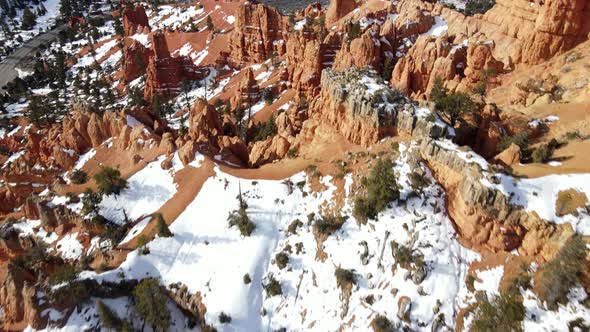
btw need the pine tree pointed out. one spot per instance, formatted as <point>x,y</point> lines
<point>156,106</point>
<point>162,227</point>
<point>118,26</point>
<point>29,19</point>
<point>210,25</point>
<point>65,8</point>
<point>150,303</point>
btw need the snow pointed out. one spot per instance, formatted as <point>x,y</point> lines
<point>143,38</point>
<point>84,159</point>
<point>137,229</point>
<point>440,26</point>
<point>211,258</point>
<point>230,19</point>
<point>23,73</point>
<point>132,122</point>
<point>540,194</point>
<point>540,319</point>
<point>490,280</point>
<point>148,190</point>
<point>69,247</point>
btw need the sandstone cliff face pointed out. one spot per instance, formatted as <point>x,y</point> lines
<point>307,56</point>
<point>338,9</point>
<point>135,20</point>
<point>258,31</point>
<point>364,51</point>
<point>483,214</point>
<point>165,73</point>
<point>428,59</point>
<point>18,298</point>
<point>136,59</point>
<point>364,109</point>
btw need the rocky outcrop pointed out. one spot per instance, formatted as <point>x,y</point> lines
<point>482,214</point>
<point>134,20</point>
<point>510,156</point>
<point>136,59</point>
<point>428,59</point>
<point>271,149</point>
<point>259,30</point>
<point>338,9</point>
<point>248,90</point>
<point>166,73</point>
<point>307,56</point>
<point>18,298</point>
<point>364,109</point>
<point>204,125</point>
<point>364,51</point>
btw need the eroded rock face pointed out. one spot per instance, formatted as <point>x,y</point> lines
<point>364,51</point>
<point>428,59</point>
<point>136,59</point>
<point>259,31</point>
<point>271,149</point>
<point>307,56</point>
<point>483,215</point>
<point>166,73</point>
<point>18,298</point>
<point>135,20</point>
<point>364,109</point>
<point>338,9</point>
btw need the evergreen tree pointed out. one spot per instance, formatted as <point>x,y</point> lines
<point>150,303</point>
<point>387,69</point>
<point>29,19</point>
<point>162,227</point>
<point>37,111</point>
<point>90,202</point>
<point>65,8</point>
<point>156,106</point>
<point>118,26</point>
<point>109,181</point>
<point>210,25</point>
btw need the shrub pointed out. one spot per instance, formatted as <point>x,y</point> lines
<point>292,229</point>
<point>381,188</point>
<point>282,259</point>
<point>568,202</point>
<point>473,7</point>
<point>224,318</point>
<point>63,273</point>
<point>247,279</point>
<point>150,303</point>
<point>240,218</point>
<point>109,181</point>
<point>73,293</point>
<point>560,274</point>
<point>109,319</point>
<point>405,256</point>
<point>79,177</point>
<point>542,154</point>
<point>142,247</point>
<point>292,153</point>
<point>272,286</point>
<point>502,313</point>
<point>344,278</point>
<point>382,324</point>
<point>328,225</point>
<point>90,202</point>
<point>268,129</point>
<point>520,139</point>
<point>162,227</point>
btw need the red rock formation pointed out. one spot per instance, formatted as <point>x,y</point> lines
<point>135,19</point>
<point>136,59</point>
<point>165,73</point>
<point>248,90</point>
<point>338,9</point>
<point>266,151</point>
<point>429,58</point>
<point>259,30</point>
<point>361,52</point>
<point>307,57</point>
<point>479,58</point>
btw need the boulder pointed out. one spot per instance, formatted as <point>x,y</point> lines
<point>510,156</point>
